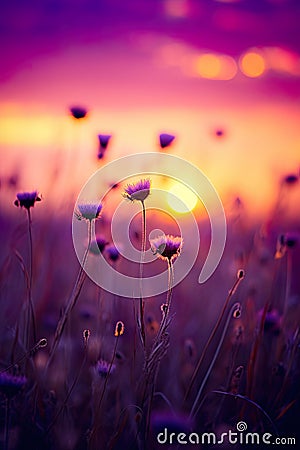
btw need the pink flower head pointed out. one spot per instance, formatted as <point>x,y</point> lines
<point>27,199</point>
<point>166,247</point>
<point>138,191</point>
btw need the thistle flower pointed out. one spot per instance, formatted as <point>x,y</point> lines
<point>290,179</point>
<point>119,330</point>
<point>166,247</point>
<point>138,191</point>
<point>103,143</point>
<point>86,335</point>
<point>165,140</point>
<point>98,245</point>
<point>10,385</point>
<point>103,367</point>
<point>78,112</point>
<point>88,211</point>
<point>27,199</point>
<point>272,322</point>
<point>285,242</point>
<point>113,253</point>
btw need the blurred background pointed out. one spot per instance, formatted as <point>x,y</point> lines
<point>223,76</point>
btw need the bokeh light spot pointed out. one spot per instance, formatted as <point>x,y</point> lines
<point>180,198</point>
<point>252,64</point>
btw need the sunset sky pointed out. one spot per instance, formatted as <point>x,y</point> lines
<point>188,67</point>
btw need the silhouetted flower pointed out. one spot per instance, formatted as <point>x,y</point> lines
<point>27,199</point>
<point>88,211</point>
<point>10,385</point>
<point>102,367</point>
<point>284,242</point>
<point>103,143</point>
<point>138,191</point>
<point>166,247</point>
<point>78,112</point>
<point>272,321</point>
<point>113,253</point>
<point>290,179</point>
<point>98,245</point>
<point>165,140</point>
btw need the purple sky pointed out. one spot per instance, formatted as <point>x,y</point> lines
<point>30,28</point>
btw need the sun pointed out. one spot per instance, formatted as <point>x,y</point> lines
<point>180,198</point>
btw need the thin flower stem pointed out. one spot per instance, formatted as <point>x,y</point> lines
<point>142,302</point>
<point>6,427</point>
<point>212,335</point>
<point>168,301</point>
<point>68,393</point>
<point>72,299</point>
<point>98,409</point>
<point>208,372</point>
<point>30,301</point>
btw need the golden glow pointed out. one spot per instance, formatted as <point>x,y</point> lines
<point>208,65</point>
<point>215,67</point>
<point>177,8</point>
<point>282,60</point>
<point>252,64</point>
<point>181,199</point>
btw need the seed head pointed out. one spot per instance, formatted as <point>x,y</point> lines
<point>102,367</point>
<point>241,274</point>
<point>119,330</point>
<point>86,335</point>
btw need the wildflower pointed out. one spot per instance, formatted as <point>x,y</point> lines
<point>103,143</point>
<point>113,253</point>
<point>272,322</point>
<point>219,132</point>
<point>166,247</point>
<point>88,211</point>
<point>119,330</point>
<point>138,191</point>
<point>78,112</point>
<point>10,385</point>
<point>98,245</point>
<point>284,242</point>
<point>165,140</point>
<point>27,199</point>
<point>103,367</point>
<point>290,179</point>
